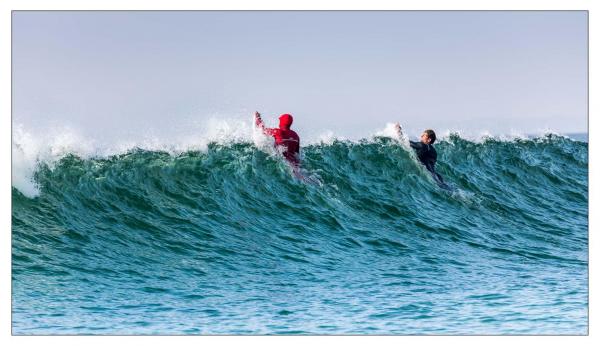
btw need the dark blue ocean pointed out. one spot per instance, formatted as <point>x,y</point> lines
<point>226,241</point>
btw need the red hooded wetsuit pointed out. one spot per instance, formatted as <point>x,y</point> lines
<point>284,137</point>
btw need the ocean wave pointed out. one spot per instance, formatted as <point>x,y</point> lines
<point>221,238</point>
<point>32,149</point>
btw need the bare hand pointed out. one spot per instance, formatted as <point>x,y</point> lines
<point>257,119</point>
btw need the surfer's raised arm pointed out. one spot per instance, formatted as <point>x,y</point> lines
<point>398,129</point>
<point>261,125</point>
<point>258,121</point>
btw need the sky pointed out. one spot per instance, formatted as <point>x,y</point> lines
<point>126,74</point>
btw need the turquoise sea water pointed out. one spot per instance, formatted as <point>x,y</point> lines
<point>225,241</point>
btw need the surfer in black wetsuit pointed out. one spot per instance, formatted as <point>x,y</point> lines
<point>426,152</point>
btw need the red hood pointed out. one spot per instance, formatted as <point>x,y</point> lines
<point>285,121</point>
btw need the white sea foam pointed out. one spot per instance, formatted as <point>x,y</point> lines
<point>484,135</point>
<point>326,137</point>
<point>30,148</point>
<point>389,131</point>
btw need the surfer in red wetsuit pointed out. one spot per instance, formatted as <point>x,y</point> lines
<point>285,138</point>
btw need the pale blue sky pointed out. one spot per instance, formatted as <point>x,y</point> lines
<point>349,72</point>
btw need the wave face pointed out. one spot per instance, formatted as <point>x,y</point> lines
<point>225,241</point>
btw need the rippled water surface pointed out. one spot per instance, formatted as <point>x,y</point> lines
<point>227,242</point>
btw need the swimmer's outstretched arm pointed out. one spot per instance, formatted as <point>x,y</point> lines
<point>398,129</point>
<point>259,123</point>
<point>413,144</point>
<point>258,120</point>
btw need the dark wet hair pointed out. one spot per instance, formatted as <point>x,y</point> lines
<point>431,135</point>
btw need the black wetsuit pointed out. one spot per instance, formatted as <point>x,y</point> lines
<point>428,156</point>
